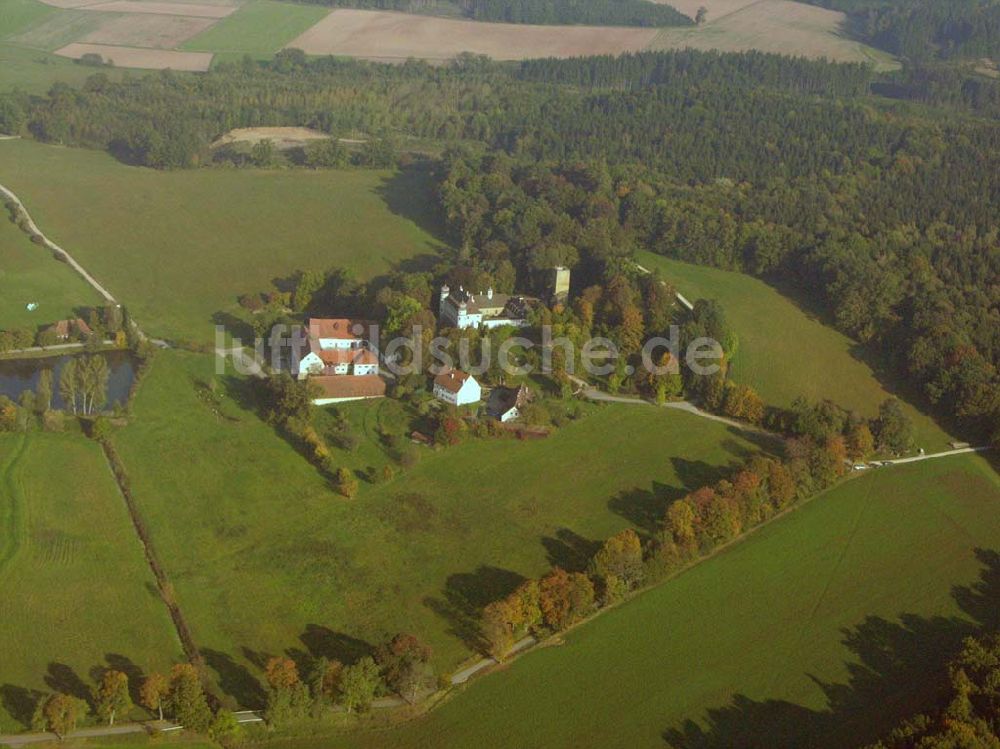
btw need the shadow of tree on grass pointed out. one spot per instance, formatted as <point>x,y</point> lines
<point>899,668</point>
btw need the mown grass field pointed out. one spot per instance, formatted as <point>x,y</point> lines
<point>75,591</point>
<point>777,26</point>
<point>266,558</point>
<point>29,273</point>
<point>179,247</point>
<point>819,630</point>
<point>259,28</point>
<point>785,352</point>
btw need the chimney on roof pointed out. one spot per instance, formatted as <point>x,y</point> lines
<point>489,294</point>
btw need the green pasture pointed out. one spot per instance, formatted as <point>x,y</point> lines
<point>76,594</point>
<point>29,273</point>
<point>266,558</point>
<point>785,351</point>
<point>822,630</point>
<point>259,28</point>
<point>178,248</point>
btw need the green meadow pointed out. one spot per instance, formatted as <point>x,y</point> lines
<point>180,247</point>
<point>819,630</point>
<point>266,558</point>
<point>786,352</point>
<point>258,28</point>
<point>77,594</point>
<point>29,273</point>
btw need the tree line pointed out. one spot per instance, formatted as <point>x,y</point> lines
<point>553,12</point>
<point>924,29</point>
<point>689,529</point>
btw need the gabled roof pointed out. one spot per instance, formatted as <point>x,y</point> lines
<point>337,356</point>
<point>338,386</point>
<point>340,329</point>
<point>452,380</point>
<point>64,327</point>
<point>503,399</point>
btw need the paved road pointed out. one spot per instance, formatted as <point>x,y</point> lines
<point>122,729</point>
<point>932,456</point>
<point>467,673</point>
<point>592,393</point>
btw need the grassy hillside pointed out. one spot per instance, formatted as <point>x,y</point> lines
<point>266,558</point>
<point>785,352</point>
<point>259,28</point>
<point>179,247</point>
<point>76,592</point>
<point>28,273</point>
<point>818,631</point>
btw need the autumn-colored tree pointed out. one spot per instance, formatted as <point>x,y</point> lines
<point>404,662</point>
<point>153,692</point>
<point>324,681</point>
<point>680,522</point>
<point>187,698</point>
<point>281,673</point>
<point>860,442</point>
<point>113,698</point>
<point>619,557</point>
<point>449,431</point>
<point>837,447</point>
<point>780,485</point>
<point>564,598</point>
<point>630,331</point>
<point>346,483</point>
<point>287,696</point>
<point>62,711</point>
<point>496,629</point>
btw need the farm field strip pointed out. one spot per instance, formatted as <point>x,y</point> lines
<point>777,26</point>
<point>140,57</point>
<point>78,594</point>
<point>385,35</point>
<point>149,31</point>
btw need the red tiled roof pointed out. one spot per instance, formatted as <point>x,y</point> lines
<point>64,327</point>
<point>337,356</point>
<point>452,380</point>
<point>343,386</point>
<point>340,329</point>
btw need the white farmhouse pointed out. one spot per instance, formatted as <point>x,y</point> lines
<point>457,388</point>
<point>337,347</point>
<point>460,309</point>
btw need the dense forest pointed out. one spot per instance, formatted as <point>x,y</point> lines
<point>925,29</point>
<point>552,12</point>
<point>779,167</point>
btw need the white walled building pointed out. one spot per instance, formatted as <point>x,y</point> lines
<point>460,309</point>
<point>337,347</point>
<point>457,388</point>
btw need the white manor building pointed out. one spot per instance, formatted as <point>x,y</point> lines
<point>337,347</point>
<point>460,309</point>
<point>457,388</point>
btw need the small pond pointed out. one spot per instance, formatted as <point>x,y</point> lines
<point>18,375</point>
